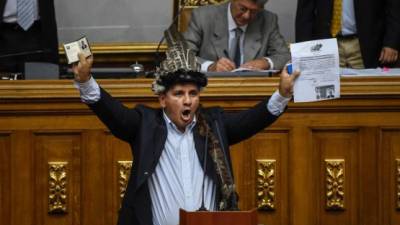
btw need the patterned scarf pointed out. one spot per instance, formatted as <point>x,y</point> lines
<point>227,187</point>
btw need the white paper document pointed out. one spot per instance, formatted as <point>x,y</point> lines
<point>244,69</point>
<point>318,63</point>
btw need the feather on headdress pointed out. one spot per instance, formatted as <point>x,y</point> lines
<point>180,65</point>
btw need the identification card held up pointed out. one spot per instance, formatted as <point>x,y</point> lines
<point>73,48</point>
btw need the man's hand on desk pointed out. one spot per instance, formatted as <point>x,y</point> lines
<point>222,65</point>
<point>388,55</point>
<point>257,64</point>
<point>82,68</point>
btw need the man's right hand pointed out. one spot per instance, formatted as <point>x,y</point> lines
<point>82,68</point>
<point>222,65</point>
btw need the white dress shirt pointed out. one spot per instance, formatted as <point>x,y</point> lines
<point>348,18</point>
<point>177,180</point>
<point>10,11</point>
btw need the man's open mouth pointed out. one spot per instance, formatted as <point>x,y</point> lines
<point>186,114</point>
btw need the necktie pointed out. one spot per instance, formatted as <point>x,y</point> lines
<point>336,22</point>
<point>25,13</point>
<point>237,55</point>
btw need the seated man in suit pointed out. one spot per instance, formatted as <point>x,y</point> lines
<point>239,33</point>
<point>367,32</point>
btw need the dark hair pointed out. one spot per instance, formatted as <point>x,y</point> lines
<point>181,76</point>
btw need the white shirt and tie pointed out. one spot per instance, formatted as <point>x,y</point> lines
<point>23,12</point>
<point>232,43</point>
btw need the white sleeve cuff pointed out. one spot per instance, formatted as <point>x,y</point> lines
<point>89,90</point>
<point>277,103</point>
<point>205,65</point>
<point>271,64</point>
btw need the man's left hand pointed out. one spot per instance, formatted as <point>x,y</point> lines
<point>388,55</point>
<point>256,64</point>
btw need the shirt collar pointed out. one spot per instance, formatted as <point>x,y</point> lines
<point>231,23</point>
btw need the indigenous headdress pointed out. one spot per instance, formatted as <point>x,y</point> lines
<point>180,65</point>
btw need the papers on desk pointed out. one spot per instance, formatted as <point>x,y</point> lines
<point>318,62</point>
<point>243,69</point>
<point>348,72</point>
<point>243,72</point>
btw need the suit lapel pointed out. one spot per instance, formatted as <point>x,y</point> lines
<point>220,35</point>
<point>149,157</point>
<point>252,41</point>
<point>199,143</point>
<point>160,137</point>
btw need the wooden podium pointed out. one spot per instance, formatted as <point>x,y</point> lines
<point>218,218</point>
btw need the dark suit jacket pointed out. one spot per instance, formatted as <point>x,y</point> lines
<point>145,130</point>
<point>378,24</point>
<point>48,36</point>
<point>208,36</point>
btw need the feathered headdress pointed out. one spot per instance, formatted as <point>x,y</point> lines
<point>180,65</point>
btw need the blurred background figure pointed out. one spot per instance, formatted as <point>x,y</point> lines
<point>368,31</point>
<point>28,33</point>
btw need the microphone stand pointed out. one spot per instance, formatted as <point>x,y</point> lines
<point>202,207</point>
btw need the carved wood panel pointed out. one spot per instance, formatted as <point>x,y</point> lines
<point>336,172</point>
<point>58,177</point>
<point>5,166</point>
<point>246,156</point>
<point>389,181</point>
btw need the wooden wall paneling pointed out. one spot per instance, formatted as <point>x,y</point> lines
<point>240,168</point>
<point>272,145</point>
<point>115,150</point>
<point>93,182</point>
<point>336,144</point>
<point>22,174</point>
<point>389,192</point>
<point>365,122</point>
<point>301,184</point>
<point>368,179</point>
<point>63,147</point>
<point>5,170</point>
<point>267,145</point>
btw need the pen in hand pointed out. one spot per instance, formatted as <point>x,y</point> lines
<point>223,64</point>
<point>226,54</point>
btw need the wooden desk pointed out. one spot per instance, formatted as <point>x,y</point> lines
<point>330,162</point>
